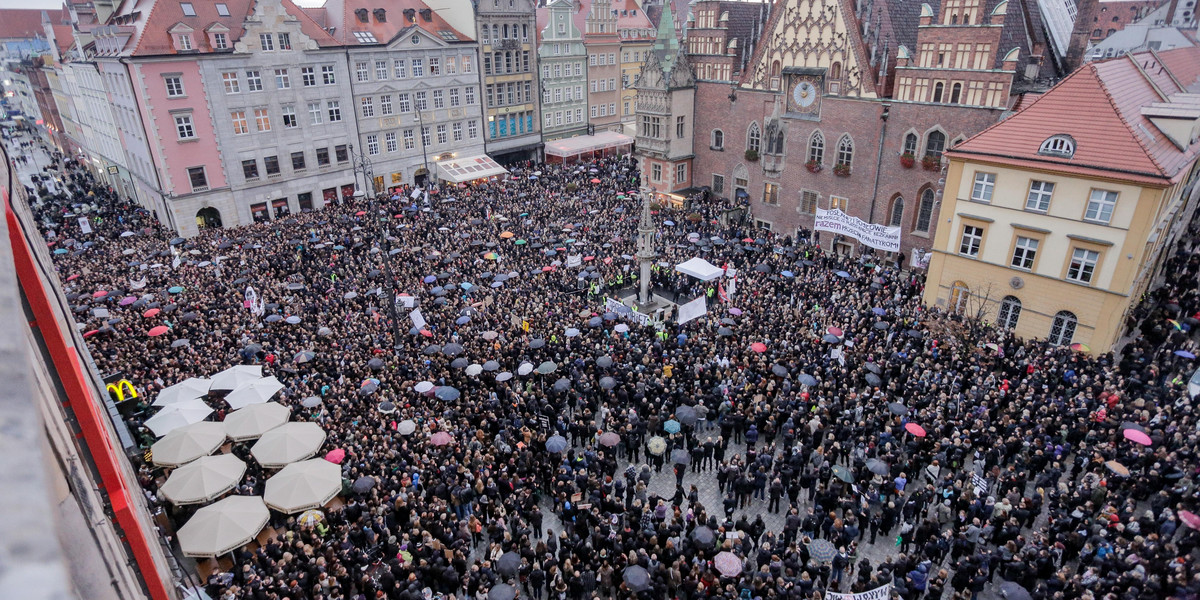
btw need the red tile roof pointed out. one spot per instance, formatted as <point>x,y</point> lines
<point>21,24</point>
<point>64,37</point>
<point>395,23</point>
<point>162,15</point>
<point>1099,105</point>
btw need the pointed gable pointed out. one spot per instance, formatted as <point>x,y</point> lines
<point>810,34</point>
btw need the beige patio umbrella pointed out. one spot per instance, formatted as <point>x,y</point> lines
<point>254,392</point>
<point>177,415</point>
<point>232,377</point>
<point>187,443</point>
<point>255,420</point>
<point>288,443</point>
<point>192,387</point>
<point>303,485</point>
<point>203,479</point>
<point>223,526</point>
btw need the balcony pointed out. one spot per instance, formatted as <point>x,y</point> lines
<point>649,144</point>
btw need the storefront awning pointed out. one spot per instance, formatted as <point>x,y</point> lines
<point>583,144</point>
<point>469,168</point>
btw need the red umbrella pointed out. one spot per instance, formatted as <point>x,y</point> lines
<point>834,331</point>
<point>586,258</point>
<point>1190,519</point>
<point>547,269</point>
<point>728,564</point>
<point>758,347</point>
<point>1137,437</point>
<point>440,438</point>
<point>426,333</point>
<point>73,277</point>
<point>157,331</point>
<point>360,213</point>
<point>748,240</point>
<point>915,429</point>
<point>336,456</point>
<point>89,334</point>
<point>594,180</point>
<point>99,294</point>
<point>151,313</point>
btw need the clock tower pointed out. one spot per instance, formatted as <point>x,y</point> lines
<point>805,88</point>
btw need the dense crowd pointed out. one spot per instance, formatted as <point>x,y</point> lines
<point>722,446</point>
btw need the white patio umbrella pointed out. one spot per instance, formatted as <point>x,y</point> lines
<point>192,387</point>
<point>177,415</point>
<point>223,526</point>
<point>303,485</point>
<point>255,420</point>
<point>288,443</point>
<point>203,479</point>
<point>232,377</point>
<point>254,392</point>
<point>187,443</point>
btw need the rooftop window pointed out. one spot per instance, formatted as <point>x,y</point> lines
<point>1059,145</point>
<point>188,9</point>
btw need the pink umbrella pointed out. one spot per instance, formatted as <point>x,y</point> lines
<point>157,331</point>
<point>89,334</point>
<point>594,180</point>
<point>735,311</point>
<point>1190,519</point>
<point>758,347</point>
<point>127,300</point>
<point>151,313</point>
<point>426,333</point>
<point>336,456</point>
<point>99,294</point>
<point>915,429</point>
<point>440,438</point>
<point>728,564</point>
<point>834,331</point>
<point>73,277</point>
<point>1137,437</point>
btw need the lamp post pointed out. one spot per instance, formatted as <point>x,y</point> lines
<point>424,155</point>
<point>360,162</point>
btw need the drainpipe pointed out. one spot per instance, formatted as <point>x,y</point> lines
<point>887,106</point>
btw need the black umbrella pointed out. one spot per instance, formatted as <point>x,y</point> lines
<point>915,334</point>
<point>375,364</point>
<point>459,363</point>
<point>432,349</point>
<point>724,331</point>
<point>881,325</point>
<point>779,370</point>
<point>703,536</point>
<point>537,343</point>
<point>452,349</point>
<point>363,484</point>
<point>873,379</point>
<point>1011,590</point>
<point>604,362</point>
<point>635,576</point>
<point>608,383</point>
<point>686,415</point>
<point>562,385</point>
<point>897,409</point>
<point>877,466</point>
<point>509,563</point>
<point>502,591</point>
<point>680,456</point>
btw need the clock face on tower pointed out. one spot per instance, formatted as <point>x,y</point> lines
<point>804,94</point>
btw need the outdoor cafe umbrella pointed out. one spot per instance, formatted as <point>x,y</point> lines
<point>556,444</point>
<point>233,377</point>
<point>223,526</point>
<point>502,591</point>
<point>637,578</point>
<point>187,443</point>
<point>656,445</point>
<point>203,479</point>
<point>287,444</point>
<point>252,421</point>
<point>178,415</point>
<point>509,563</point>
<point>728,564</point>
<point>254,392</point>
<point>609,439</point>
<point>188,389</point>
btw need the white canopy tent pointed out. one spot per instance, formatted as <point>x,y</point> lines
<point>700,269</point>
<point>469,168</point>
<point>585,144</point>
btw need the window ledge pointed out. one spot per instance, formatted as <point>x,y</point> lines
<point>716,149</point>
<point>189,140</point>
<point>919,233</point>
<point>1088,240</point>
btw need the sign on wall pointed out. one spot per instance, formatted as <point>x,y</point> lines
<point>880,237</point>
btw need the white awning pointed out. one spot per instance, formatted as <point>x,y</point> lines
<point>700,269</point>
<point>583,144</point>
<point>469,168</point>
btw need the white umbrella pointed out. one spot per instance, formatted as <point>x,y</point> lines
<point>288,443</point>
<point>254,392</point>
<point>187,443</point>
<point>232,377</point>
<point>177,415</point>
<point>255,420</point>
<point>193,387</point>
<point>203,479</point>
<point>423,387</point>
<point>223,526</point>
<point>303,485</point>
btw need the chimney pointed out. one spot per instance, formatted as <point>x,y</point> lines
<point>1174,4</point>
<point>926,15</point>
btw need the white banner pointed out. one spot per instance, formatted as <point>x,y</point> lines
<point>574,260</point>
<point>880,237</point>
<point>879,593</point>
<point>417,318</point>
<point>623,311</point>
<point>84,225</point>
<point>693,310</point>
<point>408,301</point>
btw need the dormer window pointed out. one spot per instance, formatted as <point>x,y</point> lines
<point>426,15</point>
<point>183,41</point>
<point>1062,146</point>
<point>410,14</point>
<point>381,15</point>
<point>361,14</point>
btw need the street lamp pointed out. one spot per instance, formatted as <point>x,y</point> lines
<point>360,162</point>
<point>424,155</point>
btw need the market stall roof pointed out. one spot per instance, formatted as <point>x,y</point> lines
<point>469,168</point>
<point>700,269</point>
<point>587,143</point>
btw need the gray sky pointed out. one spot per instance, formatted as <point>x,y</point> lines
<point>30,4</point>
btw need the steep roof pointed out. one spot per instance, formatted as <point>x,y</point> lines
<point>631,16</point>
<point>1100,107</point>
<point>153,38</point>
<point>21,24</point>
<point>395,22</point>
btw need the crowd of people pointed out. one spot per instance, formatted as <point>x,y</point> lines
<point>818,424</point>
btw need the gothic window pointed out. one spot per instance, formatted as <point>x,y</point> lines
<point>845,151</point>
<point>924,212</point>
<point>955,93</point>
<point>816,148</point>
<point>910,144</point>
<point>754,138</point>
<point>897,212</point>
<point>938,90</point>
<point>835,71</point>
<point>935,144</point>
<point>774,138</point>
<point>1010,312</point>
<point>718,139</point>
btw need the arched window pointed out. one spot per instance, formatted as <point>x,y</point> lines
<point>1058,145</point>
<point>959,293</point>
<point>938,90</point>
<point>897,212</point>
<point>753,138</point>
<point>718,139</point>
<point>955,93</point>
<point>1062,330</point>
<point>1010,312</point>
<point>924,212</point>
<point>775,137</point>
<point>816,148</point>
<point>505,30</point>
<point>935,144</point>
<point>910,144</point>
<point>845,151</point>
<point>835,71</point>
<point>495,32</point>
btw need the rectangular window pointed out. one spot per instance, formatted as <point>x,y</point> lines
<point>679,126</point>
<point>308,76</point>
<point>240,125</point>
<point>183,127</point>
<point>231,83</point>
<point>222,9</point>
<point>220,42</point>
<point>282,80</point>
<point>594,113</point>
<point>361,73</point>
<point>327,75</point>
<point>470,95</point>
<point>289,116</point>
<point>441,134</point>
<point>314,113</point>
<point>385,104</point>
<point>400,68</point>
<point>368,106</point>
<point>341,153</point>
<point>254,81</point>
<point>267,41</point>
<point>454,98</point>
<point>718,184</point>
<point>438,99</point>
<point>422,102</point>
<point>262,121</point>
<point>405,104</point>
<point>425,138</point>
<point>435,66</point>
<point>656,172</point>
<point>174,86</point>
<point>468,64</point>
<point>681,173</point>
<point>185,41</point>
<point>389,139</point>
<point>409,141</point>
<point>373,144</point>
<point>188,9</point>
<point>285,41</point>
<point>1100,206</point>
<point>250,169</point>
<point>1083,265</point>
<point>1039,196</point>
<point>985,183</point>
<point>198,179</point>
<point>322,157</point>
<point>458,135</point>
<point>473,129</point>
<point>381,70</point>
<point>298,161</point>
<point>451,65</point>
<point>770,193</point>
<point>418,67</point>
<point>271,164</point>
<point>972,239</point>
<point>1024,252</point>
<point>335,111</point>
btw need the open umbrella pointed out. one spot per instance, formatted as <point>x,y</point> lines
<point>671,426</point>
<point>897,409</point>
<point>452,349</point>
<point>252,421</point>
<point>728,564</point>
<point>447,393</point>
<point>877,466</point>
<point>703,536</point>
<point>843,473</point>
<point>621,328</point>
<point>178,415</point>
<point>680,456</point>
<point>806,379</point>
<point>636,577</point>
<point>536,343</point>
<point>491,366</point>
<point>1117,468</point>
<point>1011,590</point>
<point>310,518</point>
<point>556,444</point>
<point>188,389</point>
<point>609,439</point>
<point>224,526</point>
<point>547,367</point>
<point>873,380</point>
<point>822,550</point>
<point>1190,519</point>
<point>234,377</point>
<point>604,362</point>
<point>1137,437</point>
<point>187,443</point>
<point>336,456</point>
<point>1185,354</point>
<point>502,591</point>
<point>363,484</point>
<point>288,443</point>
<point>440,438</point>
<point>508,564</point>
<point>303,485</point>
<point>758,347</point>
<point>423,387</point>
<point>656,445</point>
<point>459,363</point>
<point>686,415</point>
<point>254,392</point>
<point>914,429</point>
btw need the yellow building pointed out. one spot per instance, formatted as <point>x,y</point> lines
<point>1056,220</point>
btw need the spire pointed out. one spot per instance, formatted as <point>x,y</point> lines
<point>666,43</point>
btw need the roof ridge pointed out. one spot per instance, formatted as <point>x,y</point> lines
<point>1121,115</point>
<point>1040,97</point>
<point>141,31</point>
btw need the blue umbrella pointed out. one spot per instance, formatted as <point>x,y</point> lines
<point>1185,354</point>
<point>843,274</point>
<point>788,274</point>
<point>879,312</point>
<point>61,251</point>
<point>822,550</point>
<point>595,322</point>
<point>466,285</point>
<point>462,320</point>
<point>807,379</point>
<point>447,393</point>
<point>610,316</point>
<point>175,289</point>
<point>556,444</point>
<point>429,279</point>
<point>671,426</point>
